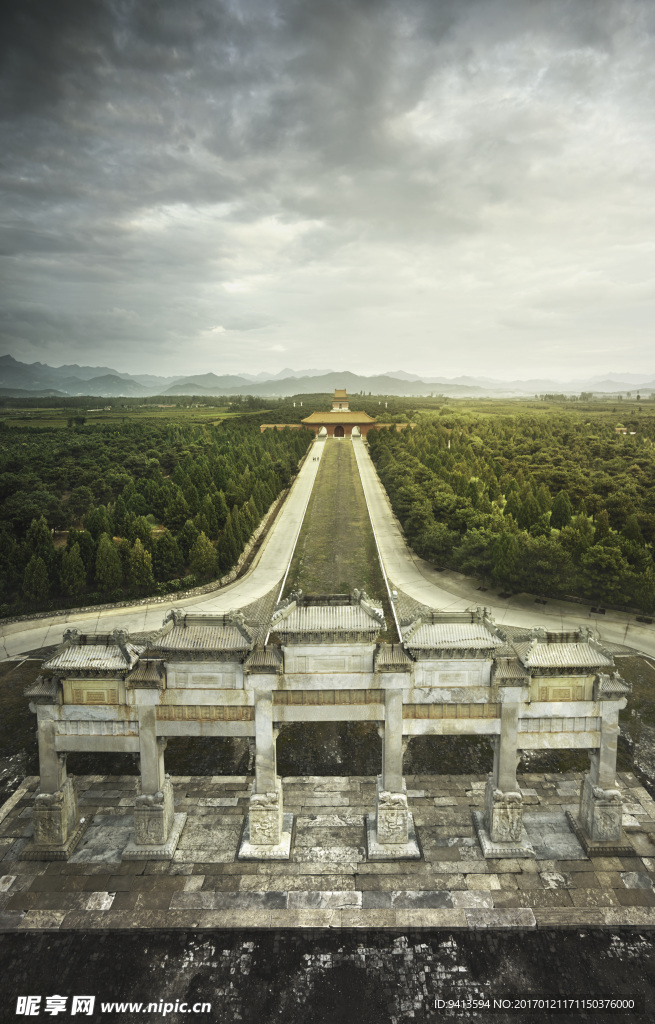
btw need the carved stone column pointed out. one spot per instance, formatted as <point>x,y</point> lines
<point>267,834</point>
<point>600,818</point>
<point>503,803</point>
<point>390,832</point>
<point>57,827</point>
<point>391,804</point>
<point>500,828</point>
<point>157,828</point>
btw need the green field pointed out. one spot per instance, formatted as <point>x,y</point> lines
<point>58,418</point>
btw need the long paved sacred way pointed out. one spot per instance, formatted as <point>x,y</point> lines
<point>323,631</point>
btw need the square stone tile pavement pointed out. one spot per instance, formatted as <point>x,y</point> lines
<point>328,881</point>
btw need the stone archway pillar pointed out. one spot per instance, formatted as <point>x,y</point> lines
<point>599,821</point>
<point>267,834</point>
<point>500,827</point>
<point>503,805</point>
<point>153,810</point>
<point>390,831</point>
<point>157,828</point>
<point>57,827</point>
<point>601,804</point>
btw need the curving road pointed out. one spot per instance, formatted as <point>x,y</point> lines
<point>445,590</point>
<point>451,591</point>
<point>266,572</point>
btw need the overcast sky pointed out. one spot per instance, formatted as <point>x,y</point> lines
<point>445,187</point>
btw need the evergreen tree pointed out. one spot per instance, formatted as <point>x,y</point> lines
<point>267,496</point>
<point>7,548</point>
<point>529,512</point>
<point>544,500</point>
<point>186,538</point>
<point>141,577</point>
<point>542,526</point>
<point>137,505</point>
<point>87,547</point>
<point>192,497</point>
<point>203,558</point>
<point>645,591</point>
<point>493,489</point>
<point>109,571</point>
<point>484,504</point>
<point>80,501</point>
<point>142,529</point>
<point>247,523</point>
<point>36,583</point>
<point>474,553</point>
<point>605,572</point>
<point>240,528</point>
<point>221,508</point>
<point>18,558</point>
<point>631,531</point>
<point>119,513</point>
<point>602,525</point>
<point>73,574</point>
<point>98,521</point>
<point>505,559</point>
<point>228,552</point>
<point>208,512</point>
<point>472,493</point>
<point>124,551</point>
<point>255,514</point>
<point>561,512</point>
<point>513,505</point>
<point>438,543</point>
<point>39,539</point>
<point>166,557</point>
<point>177,512</point>
<point>545,567</point>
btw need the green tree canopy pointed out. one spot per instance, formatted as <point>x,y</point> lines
<point>203,558</point>
<point>141,575</point>
<point>109,571</point>
<point>36,583</point>
<point>167,559</point>
<point>561,512</point>
<point>73,573</point>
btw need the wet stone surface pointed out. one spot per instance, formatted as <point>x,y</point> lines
<point>328,935</point>
<point>329,880</point>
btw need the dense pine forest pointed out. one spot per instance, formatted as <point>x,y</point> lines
<point>560,504</point>
<point>100,512</point>
<point>553,500</point>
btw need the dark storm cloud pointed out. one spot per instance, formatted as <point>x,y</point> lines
<point>317,172</point>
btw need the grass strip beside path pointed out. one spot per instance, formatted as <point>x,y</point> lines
<point>336,549</point>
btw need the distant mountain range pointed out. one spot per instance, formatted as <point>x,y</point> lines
<point>24,380</point>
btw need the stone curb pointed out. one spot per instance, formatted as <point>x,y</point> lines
<point>637,918</point>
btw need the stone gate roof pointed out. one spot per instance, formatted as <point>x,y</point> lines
<point>549,654</point>
<point>435,631</point>
<point>339,416</point>
<point>94,652</point>
<point>331,615</point>
<point>186,632</point>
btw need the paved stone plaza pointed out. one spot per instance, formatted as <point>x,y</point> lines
<point>328,882</point>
